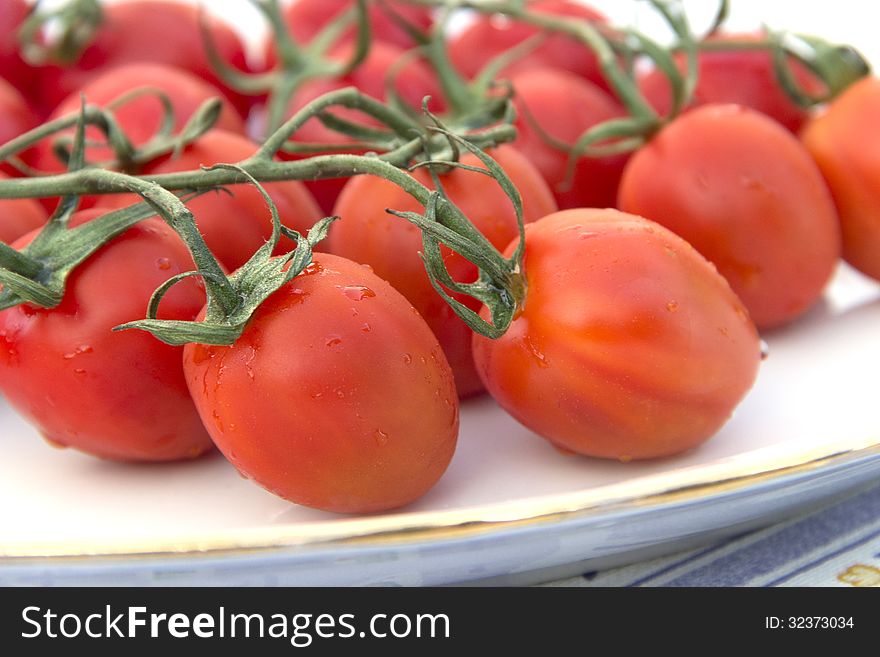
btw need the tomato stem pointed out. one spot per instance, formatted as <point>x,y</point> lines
<point>75,23</point>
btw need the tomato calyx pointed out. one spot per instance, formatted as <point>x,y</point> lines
<point>75,24</point>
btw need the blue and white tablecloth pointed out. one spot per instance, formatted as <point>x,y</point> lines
<point>835,546</point>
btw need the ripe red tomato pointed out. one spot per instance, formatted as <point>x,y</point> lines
<point>490,36</point>
<point>337,396</point>
<point>390,245</point>
<point>141,118</point>
<point>744,77</point>
<point>147,31</point>
<point>118,396</point>
<point>845,142</point>
<point>236,222</point>
<point>19,216</point>
<point>306,18</point>
<point>12,66</point>
<point>565,106</point>
<point>746,194</point>
<point>630,345</point>
<point>413,83</point>
<point>15,118</point>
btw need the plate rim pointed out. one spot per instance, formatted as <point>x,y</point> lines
<point>689,484</point>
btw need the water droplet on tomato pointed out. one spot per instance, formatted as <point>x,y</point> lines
<point>82,349</point>
<point>366,328</point>
<point>312,268</point>
<point>340,393</point>
<point>297,295</point>
<point>357,292</point>
<point>317,395</point>
<point>79,371</point>
<point>163,264</point>
<point>201,353</point>
<point>407,359</point>
<point>249,363</point>
<point>218,422</point>
<point>538,355</point>
<point>672,306</point>
<point>380,437</point>
<point>588,236</point>
<point>333,341</point>
<point>765,350</point>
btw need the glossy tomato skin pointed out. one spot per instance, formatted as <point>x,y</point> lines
<point>414,82</point>
<point>115,395</point>
<point>141,118</point>
<point>391,246</point>
<point>235,222</point>
<point>12,67</point>
<point>306,18</point>
<point>565,106</point>
<point>19,216</point>
<point>16,118</point>
<point>747,195</point>
<point>843,141</point>
<point>337,396</point>
<point>147,31</point>
<point>487,37</point>
<point>630,345</point>
<point>743,77</point>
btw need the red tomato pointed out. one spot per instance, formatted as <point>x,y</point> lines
<point>306,18</point>
<point>391,245</point>
<point>147,31</point>
<point>413,83</point>
<point>236,222</point>
<point>490,36</point>
<point>12,66</point>
<point>845,142</point>
<point>565,106</point>
<point>630,345</point>
<point>15,118</point>
<point>140,119</point>
<point>19,216</point>
<point>336,396</point>
<point>744,77</point>
<point>118,396</point>
<point>746,194</point>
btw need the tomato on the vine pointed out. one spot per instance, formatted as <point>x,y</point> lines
<point>234,222</point>
<point>116,395</point>
<point>845,142</point>
<point>747,195</point>
<point>563,107</point>
<point>391,245</point>
<point>741,76</point>
<point>336,396</point>
<point>141,117</point>
<point>413,82</point>
<point>148,32</point>
<point>487,37</point>
<point>629,345</point>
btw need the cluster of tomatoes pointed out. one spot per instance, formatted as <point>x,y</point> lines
<point>647,275</point>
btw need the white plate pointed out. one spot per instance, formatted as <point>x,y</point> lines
<point>510,508</point>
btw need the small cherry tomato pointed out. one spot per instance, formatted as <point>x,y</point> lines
<point>744,77</point>
<point>747,195</point>
<point>845,142</point>
<point>490,36</point>
<point>115,395</point>
<point>565,106</point>
<point>234,222</point>
<point>336,396</point>
<point>19,216</point>
<point>391,246</point>
<point>306,18</point>
<point>148,31</point>
<point>629,346</point>
<point>413,82</point>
